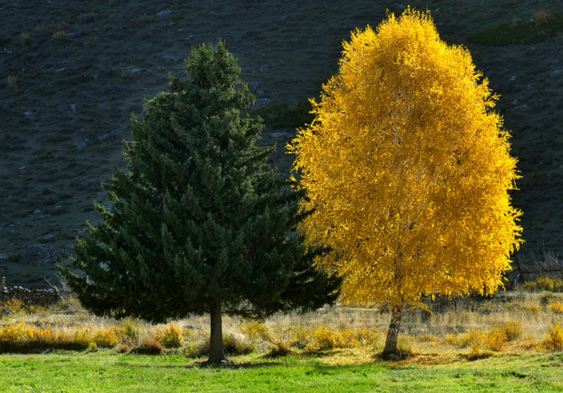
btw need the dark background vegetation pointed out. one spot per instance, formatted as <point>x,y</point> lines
<point>72,73</point>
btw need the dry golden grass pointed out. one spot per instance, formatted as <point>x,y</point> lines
<point>513,322</point>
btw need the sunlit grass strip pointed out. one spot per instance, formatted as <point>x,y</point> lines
<point>104,371</point>
<point>20,337</point>
<point>519,322</point>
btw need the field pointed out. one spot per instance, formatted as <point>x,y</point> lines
<point>71,74</point>
<point>510,342</point>
<point>107,372</point>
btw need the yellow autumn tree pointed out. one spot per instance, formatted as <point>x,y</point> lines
<point>407,172</point>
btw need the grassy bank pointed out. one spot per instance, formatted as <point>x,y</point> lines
<point>512,342</point>
<point>517,322</point>
<point>110,372</point>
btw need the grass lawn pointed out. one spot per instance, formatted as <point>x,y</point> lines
<point>106,371</point>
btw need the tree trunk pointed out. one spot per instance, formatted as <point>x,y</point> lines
<point>391,352</point>
<point>216,349</point>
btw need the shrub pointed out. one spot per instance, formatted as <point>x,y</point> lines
<point>279,349</point>
<point>14,304</point>
<point>325,338</point>
<point>170,336</point>
<point>544,284</point>
<point>131,328</point>
<point>349,338</point>
<point>105,338</point>
<point>477,353</point>
<point>367,337</point>
<point>16,333</point>
<point>472,337</point>
<point>236,345</point>
<point>512,330</point>
<point>20,337</point>
<point>299,336</point>
<point>256,331</point>
<point>69,306</point>
<point>554,341</point>
<point>533,309</point>
<point>149,347</point>
<point>196,349</point>
<point>60,35</point>
<point>494,339</point>
<point>556,307</point>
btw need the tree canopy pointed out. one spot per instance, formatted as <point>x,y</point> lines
<point>407,171</point>
<point>198,222</point>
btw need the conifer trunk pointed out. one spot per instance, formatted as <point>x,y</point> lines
<point>391,351</point>
<point>216,348</point>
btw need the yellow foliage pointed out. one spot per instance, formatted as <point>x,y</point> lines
<point>512,330</point>
<point>477,353</point>
<point>170,336</point>
<point>13,304</point>
<point>299,336</point>
<point>328,338</point>
<point>325,338</point>
<point>131,328</point>
<point>544,284</point>
<point>472,337</point>
<point>556,307</point>
<point>495,339</point>
<point>17,333</point>
<point>554,341</point>
<point>104,338</point>
<point>256,331</point>
<point>533,309</point>
<point>407,170</point>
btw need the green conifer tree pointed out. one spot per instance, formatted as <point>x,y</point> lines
<point>199,222</point>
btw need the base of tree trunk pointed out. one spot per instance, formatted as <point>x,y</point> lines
<point>217,363</point>
<point>391,356</point>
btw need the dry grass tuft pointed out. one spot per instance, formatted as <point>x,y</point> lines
<point>472,328</point>
<point>556,307</point>
<point>554,340</point>
<point>279,349</point>
<point>149,347</point>
<point>170,336</point>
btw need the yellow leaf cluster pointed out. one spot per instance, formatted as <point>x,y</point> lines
<point>407,169</point>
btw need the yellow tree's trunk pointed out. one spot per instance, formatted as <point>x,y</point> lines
<point>391,351</point>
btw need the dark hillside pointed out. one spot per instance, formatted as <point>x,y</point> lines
<point>71,74</point>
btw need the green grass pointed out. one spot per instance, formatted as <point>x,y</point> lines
<point>539,28</point>
<point>108,372</point>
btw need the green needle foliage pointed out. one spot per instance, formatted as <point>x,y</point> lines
<point>199,222</point>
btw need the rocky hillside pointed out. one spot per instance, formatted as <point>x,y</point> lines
<point>72,73</point>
